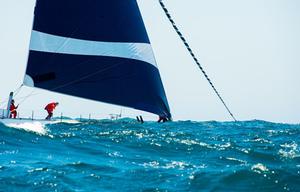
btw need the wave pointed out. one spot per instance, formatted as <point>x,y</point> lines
<point>125,155</point>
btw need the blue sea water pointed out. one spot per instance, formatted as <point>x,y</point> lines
<point>124,155</point>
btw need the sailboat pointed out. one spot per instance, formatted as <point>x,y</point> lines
<point>97,50</point>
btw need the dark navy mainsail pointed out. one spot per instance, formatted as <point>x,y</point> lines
<point>97,50</point>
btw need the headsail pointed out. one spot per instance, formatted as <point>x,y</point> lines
<point>97,50</point>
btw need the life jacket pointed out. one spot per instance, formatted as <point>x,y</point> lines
<point>50,107</point>
<point>12,107</point>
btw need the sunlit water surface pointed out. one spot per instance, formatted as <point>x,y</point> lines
<point>127,156</point>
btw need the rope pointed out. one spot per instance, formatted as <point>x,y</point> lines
<point>16,92</point>
<point>58,87</point>
<point>194,57</point>
<point>84,77</point>
<point>26,97</point>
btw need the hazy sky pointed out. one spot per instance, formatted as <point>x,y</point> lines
<point>249,48</point>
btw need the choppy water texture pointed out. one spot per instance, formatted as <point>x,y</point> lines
<point>127,156</point>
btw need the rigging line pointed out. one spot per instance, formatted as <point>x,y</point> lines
<point>15,94</point>
<point>26,97</point>
<point>84,77</point>
<point>67,84</point>
<point>194,57</point>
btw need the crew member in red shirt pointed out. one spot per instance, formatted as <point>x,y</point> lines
<point>13,109</point>
<point>50,108</point>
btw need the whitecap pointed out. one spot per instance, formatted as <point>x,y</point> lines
<point>176,164</point>
<point>289,150</point>
<point>261,140</point>
<point>288,154</point>
<point>292,145</point>
<point>193,142</point>
<point>139,135</point>
<point>221,147</point>
<point>237,160</point>
<point>259,168</point>
<point>95,176</point>
<point>115,154</point>
<point>189,142</point>
<point>37,169</point>
<point>152,164</point>
<point>36,127</point>
<point>9,152</point>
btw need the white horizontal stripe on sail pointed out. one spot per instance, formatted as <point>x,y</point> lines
<point>44,42</point>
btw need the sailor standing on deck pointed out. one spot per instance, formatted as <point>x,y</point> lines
<point>50,108</point>
<point>13,109</point>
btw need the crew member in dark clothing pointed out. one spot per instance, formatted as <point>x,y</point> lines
<point>162,119</point>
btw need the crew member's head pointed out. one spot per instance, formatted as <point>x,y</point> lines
<point>12,101</point>
<point>56,103</point>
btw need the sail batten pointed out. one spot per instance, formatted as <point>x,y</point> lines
<point>97,50</point>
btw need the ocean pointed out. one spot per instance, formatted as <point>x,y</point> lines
<point>124,155</point>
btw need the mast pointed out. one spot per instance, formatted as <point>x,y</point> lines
<point>11,94</point>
